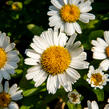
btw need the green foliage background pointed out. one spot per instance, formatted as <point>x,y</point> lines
<point>29,18</point>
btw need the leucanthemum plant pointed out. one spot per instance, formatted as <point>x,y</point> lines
<point>8,96</point>
<point>64,15</point>
<point>8,57</point>
<point>74,97</point>
<point>101,50</point>
<point>97,78</point>
<point>53,57</point>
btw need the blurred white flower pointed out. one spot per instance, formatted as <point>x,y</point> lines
<point>74,97</point>
<point>92,105</point>
<point>101,50</point>
<point>9,95</point>
<point>106,106</point>
<point>53,57</point>
<point>64,15</point>
<point>97,78</point>
<point>8,57</point>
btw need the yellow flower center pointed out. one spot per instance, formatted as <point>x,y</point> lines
<point>96,79</point>
<point>74,97</point>
<point>4,99</point>
<point>3,57</point>
<point>55,60</point>
<point>70,13</point>
<point>107,51</point>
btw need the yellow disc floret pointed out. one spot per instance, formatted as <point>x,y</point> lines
<point>70,13</point>
<point>96,79</point>
<point>107,51</point>
<point>4,99</point>
<point>3,57</point>
<point>55,60</point>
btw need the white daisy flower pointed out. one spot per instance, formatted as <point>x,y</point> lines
<point>74,97</point>
<point>64,15</point>
<point>8,57</point>
<point>92,105</point>
<point>97,78</point>
<point>101,50</point>
<point>53,57</point>
<point>9,95</point>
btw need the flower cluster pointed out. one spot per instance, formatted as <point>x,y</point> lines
<point>56,57</point>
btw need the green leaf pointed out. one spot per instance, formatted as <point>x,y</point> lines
<point>35,29</point>
<point>25,107</point>
<point>94,34</point>
<point>73,106</point>
<point>99,94</point>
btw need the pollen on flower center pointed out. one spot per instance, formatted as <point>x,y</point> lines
<point>3,57</point>
<point>96,79</point>
<point>70,13</point>
<point>107,51</point>
<point>4,99</point>
<point>55,60</point>
<point>74,97</point>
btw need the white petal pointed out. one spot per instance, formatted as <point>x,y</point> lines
<point>38,50</point>
<point>13,64</point>
<point>1,88</point>
<point>32,72</point>
<point>30,61</point>
<point>40,78</point>
<point>65,81</point>
<point>6,86</point>
<point>1,77</point>
<point>78,64</point>
<point>55,38</point>
<point>77,27</point>
<point>83,19</point>
<point>69,28</point>
<point>84,9</point>
<point>3,42</point>
<point>88,16</point>
<point>99,49</point>
<point>13,105</point>
<point>52,84</point>
<point>53,12</point>
<point>13,58</point>
<point>98,55</point>
<point>65,2</point>
<point>17,96</point>
<point>71,40</point>
<point>10,47</point>
<point>74,52</point>
<point>75,2</point>
<point>56,4</point>
<point>56,21</point>
<point>105,64</point>
<point>13,89</point>
<point>106,106</point>
<point>5,75</point>
<point>62,39</point>
<point>48,36</point>
<point>89,105</point>
<point>31,53</point>
<point>40,42</point>
<point>106,36</point>
<point>73,74</point>
<point>53,8</point>
<point>102,42</point>
<point>94,105</point>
